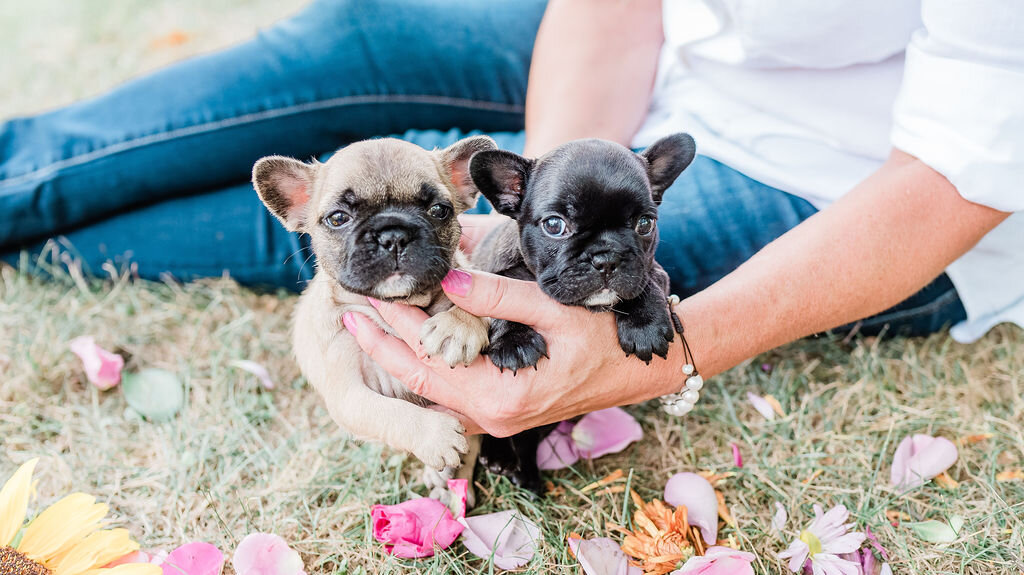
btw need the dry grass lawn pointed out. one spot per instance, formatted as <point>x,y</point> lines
<point>240,458</point>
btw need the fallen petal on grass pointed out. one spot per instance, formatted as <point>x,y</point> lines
<point>266,554</point>
<point>558,450</point>
<point>934,531</point>
<point>504,537</point>
<point>919,458</point>
<point>102,368</point>
<point>698,496</point>
<point>1010,475</point>
<point>601,556</point>
<point>761,405</point>
<point>197,558</point>
<point>606,431</point>
<point>156,394</point>
<point>256,369</point>
<point>780,517</point>
<point>719,560</point>
<point>411,529</point>
<point>737,457</point>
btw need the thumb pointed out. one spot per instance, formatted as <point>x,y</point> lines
<point>487,295</point>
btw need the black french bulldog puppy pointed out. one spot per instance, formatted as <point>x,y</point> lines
<point>584,228</point>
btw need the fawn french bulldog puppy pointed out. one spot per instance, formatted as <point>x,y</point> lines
<point>583,227</point>
<point>381,216</point>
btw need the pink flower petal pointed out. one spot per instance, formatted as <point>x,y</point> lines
<point>886,570</point>
<point>256,369</point>
<point>412,528</point>
<point>195,558</point>
<point>718,561</point>
<point>605,431</point>
<point>505,536</point>
<point>558,450</point>
<point>761,405</point>
<point>873,539</point>
<point>266,554</point>
<point>602,556</point>
<point>919,458</point>
<point>737,457</point>
<point>698,496</point>
<point>155,557</point>
<point>102,368</point>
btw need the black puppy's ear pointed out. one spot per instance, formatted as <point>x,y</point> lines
<point>285,186</point>
<point>501,177</point>
<point>666,159</point>
<point>455,159</point>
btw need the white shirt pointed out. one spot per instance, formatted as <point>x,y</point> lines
<point>810,96</point>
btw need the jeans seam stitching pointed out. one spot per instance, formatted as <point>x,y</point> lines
<point>195,129</point>
<point>932,306</point>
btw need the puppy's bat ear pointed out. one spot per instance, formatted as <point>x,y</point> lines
<point>285,186</point>
<point>501,177</point>
<point>455,159</point>
<point>666,159</point>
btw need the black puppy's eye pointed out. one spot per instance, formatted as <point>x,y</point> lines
<point>553,226</point>
<point>439,211</point>
<point>644,225</point>
<point>336,219</point>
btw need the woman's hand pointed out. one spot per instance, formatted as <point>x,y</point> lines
<point>586,371</point>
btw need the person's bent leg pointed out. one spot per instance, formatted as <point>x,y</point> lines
<point>339,71</point>
<point>226,232</point>
<point>714,218</point>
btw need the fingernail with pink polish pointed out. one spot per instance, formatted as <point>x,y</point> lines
<point>457,282</point>
<point>349,319</point>
<point>375,303</point>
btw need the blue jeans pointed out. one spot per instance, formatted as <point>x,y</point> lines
<point>156,172</point>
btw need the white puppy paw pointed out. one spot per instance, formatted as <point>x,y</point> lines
<point>442,443</point>
<point>455,336</point>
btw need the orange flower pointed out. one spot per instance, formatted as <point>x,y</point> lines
<point>663,538</point>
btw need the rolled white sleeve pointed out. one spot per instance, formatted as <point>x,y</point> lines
<point>960,108</point>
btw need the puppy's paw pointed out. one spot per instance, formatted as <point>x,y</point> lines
<point>515,346</point>
<point>437,484</point>
<point>455,336</point>
<point>501,456</point>
<point>441,443</point>
<point>645,340</point>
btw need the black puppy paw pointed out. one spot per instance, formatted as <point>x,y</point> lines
<point>502,456</point>
<point>515,346</point>
<point>645,340</point>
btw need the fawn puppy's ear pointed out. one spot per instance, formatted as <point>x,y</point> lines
<point>501,177</point>
<point>285,186</point>
<point>455,160</point>
<point>666,159</point>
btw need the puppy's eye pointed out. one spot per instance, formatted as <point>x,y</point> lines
<point>336,219</point>
<point>644,225</point>
<point>439,211</point>
<point>553,226</point>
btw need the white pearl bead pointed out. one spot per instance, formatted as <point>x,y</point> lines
<point>690,396</point>
<point>688,369</point>
<point>673,300</point>
<point>681,408</point>
<point>695,383</point>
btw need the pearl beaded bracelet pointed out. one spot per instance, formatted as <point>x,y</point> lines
<point>682,402</point>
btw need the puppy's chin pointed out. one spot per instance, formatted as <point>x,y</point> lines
<point>601,300</point>
<point>396,286</point>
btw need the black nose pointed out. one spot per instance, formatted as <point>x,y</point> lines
<point>394,239</point>
<point>605,262</point>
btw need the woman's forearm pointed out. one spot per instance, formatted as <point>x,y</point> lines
<point>878,245</point>
<point>592,71</point>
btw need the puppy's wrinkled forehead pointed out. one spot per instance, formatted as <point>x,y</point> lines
<point>385,171</point>
<point>593,177</point>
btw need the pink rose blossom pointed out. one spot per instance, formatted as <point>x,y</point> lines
<point>102,368</point>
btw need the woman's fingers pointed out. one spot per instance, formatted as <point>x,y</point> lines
<point>401,362</point>
<point>475,227</point>
<point>488,295</point>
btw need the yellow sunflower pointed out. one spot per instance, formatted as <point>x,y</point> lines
<point>65,539</point>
